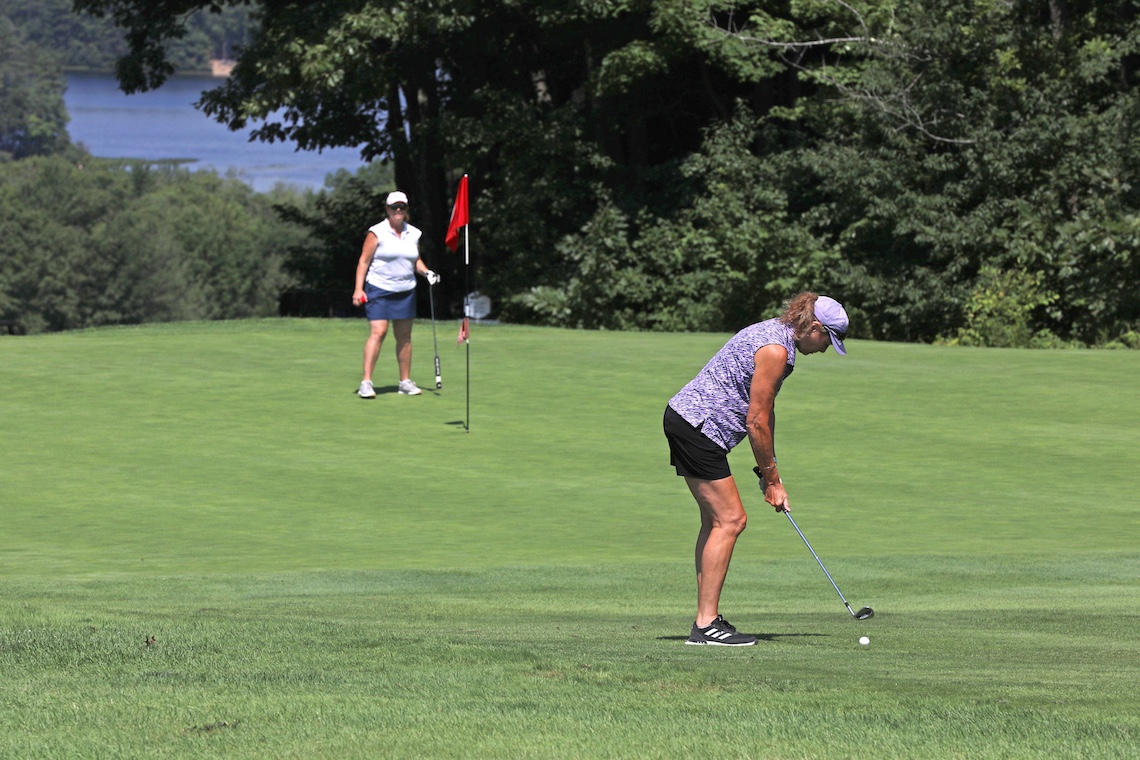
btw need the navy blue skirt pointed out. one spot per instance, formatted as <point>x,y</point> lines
<point>384,305</point>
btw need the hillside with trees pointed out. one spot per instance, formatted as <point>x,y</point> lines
<point>83,42</point>
<point>952,169</point>
<point>87,242</point>
<point>108,243</point>
<point>33,119</point>
<point>945,166</point>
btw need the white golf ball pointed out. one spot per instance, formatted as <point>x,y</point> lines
<point>864,641</point>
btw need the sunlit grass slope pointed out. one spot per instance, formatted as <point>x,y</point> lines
<point>241,447</point>
<point>328,577</point>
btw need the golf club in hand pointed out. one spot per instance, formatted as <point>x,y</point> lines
<point>435,343</point>
<point>864,612</point>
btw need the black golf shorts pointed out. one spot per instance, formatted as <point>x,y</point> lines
<point>691,452</point>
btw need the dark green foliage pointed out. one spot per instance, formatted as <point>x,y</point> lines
<point>943,167</point>
<point>543,179</point>
<point>721,253</point>
<point>89,43</point>
<point>551,108</point>
<point>1000,308</point>
<point>79,42</point>
<point>337,219</point>
<point>33,119</point>
<point>970,136</point>
<point>104,243</point>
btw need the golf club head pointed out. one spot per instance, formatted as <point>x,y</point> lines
<point>864,613</point>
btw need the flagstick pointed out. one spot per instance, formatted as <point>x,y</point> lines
<point>467,300</point>
<point>460,218</point>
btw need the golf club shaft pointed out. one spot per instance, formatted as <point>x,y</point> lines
<point>435,343</point>
<point>817,559</point>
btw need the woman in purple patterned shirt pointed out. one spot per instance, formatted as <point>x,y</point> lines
<point>731,399</point>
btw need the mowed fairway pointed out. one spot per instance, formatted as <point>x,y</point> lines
<point>328,577</point>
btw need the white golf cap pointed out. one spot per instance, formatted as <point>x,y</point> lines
<point>396,197</point>
<point>833,317</point>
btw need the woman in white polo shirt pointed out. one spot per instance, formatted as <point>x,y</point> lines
<point>386,285</point>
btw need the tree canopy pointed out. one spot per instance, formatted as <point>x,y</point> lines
<point>33,119</point>
<point>115,243</point>
<point>90,43</point>
<point>675,164</point>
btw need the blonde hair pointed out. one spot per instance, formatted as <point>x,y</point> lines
<point>799,313</point>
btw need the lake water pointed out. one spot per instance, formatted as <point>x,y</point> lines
<point>163,124</point>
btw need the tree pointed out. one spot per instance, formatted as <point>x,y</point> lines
<point>886,151</point>
<point>955,139</point>
<point>323,263</point>
<point>79,42</point>
<point>89,43</point>
<point>544,104</point>
<point>113,243</point>
<point>33,119</point>
<point>727,256</point>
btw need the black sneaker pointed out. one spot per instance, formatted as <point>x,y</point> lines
<point>720,633</point>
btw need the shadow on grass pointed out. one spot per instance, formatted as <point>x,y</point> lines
<point>386,389</point>
<point>760,636</point>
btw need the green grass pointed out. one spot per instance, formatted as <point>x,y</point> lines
<point>219,487</point>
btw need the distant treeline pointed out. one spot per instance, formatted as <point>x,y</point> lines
<point>106,243</point>
<point>87,242</point>
<point>89,43</point>
<point>952,170</point>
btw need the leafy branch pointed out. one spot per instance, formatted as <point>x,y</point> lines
<point>900,103</point>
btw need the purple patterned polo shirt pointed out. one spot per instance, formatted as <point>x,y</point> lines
<point>718,395</point>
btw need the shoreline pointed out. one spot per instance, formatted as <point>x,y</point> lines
<point>182,74</point>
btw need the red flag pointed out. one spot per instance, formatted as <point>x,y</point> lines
<point>463,335</point>
<point>459,216</point>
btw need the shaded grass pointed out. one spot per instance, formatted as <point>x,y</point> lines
<point>219,487</point>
